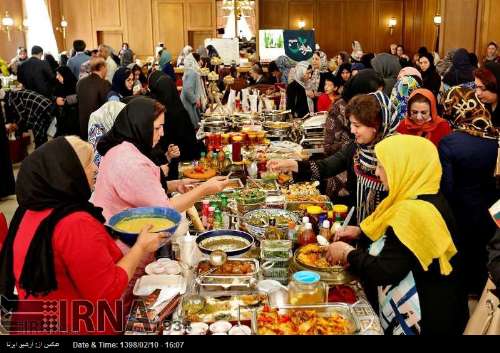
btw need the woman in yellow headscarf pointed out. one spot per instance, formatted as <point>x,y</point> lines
<point>412,260</point>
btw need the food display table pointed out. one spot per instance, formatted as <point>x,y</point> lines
<point>249,294</point>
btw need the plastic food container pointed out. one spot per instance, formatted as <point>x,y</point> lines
<point>307,289</point>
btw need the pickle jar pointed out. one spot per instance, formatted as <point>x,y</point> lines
<point>306,289</point>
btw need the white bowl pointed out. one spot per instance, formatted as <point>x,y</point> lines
<point>199,327</point>
<point>241,330</point>
<point>220,326</point>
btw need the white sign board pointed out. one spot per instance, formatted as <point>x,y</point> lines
<point>271,44</point>
<point>228,49</point>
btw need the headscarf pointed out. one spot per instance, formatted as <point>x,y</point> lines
<point>369,188</point>
<point>444,65</point>
<point>462,70</point>
<point>68,87</point>
<point>134,124</point>
<point>190,63</point>
<point>389,67</point>
<point>284,64</point>
<point>184,52</point>
<point>357,50</point>
<point>323,58</point>
<point>429,126</point>
<point>345,66</point>
<point>165,59</point>
<point>401,94</point>
<point>300,71</point>
<point>212,52</point>
<point>118,84</point>
<point>178,128</point>
<point>416,223</point>
<point>468,114</point>
<point>409,71</point>
<point>52,177</point>
<point>106,115</point>
<point>366,81</point>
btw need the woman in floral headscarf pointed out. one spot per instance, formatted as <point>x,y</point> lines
<point>469,159</point>
<point>401,93</point>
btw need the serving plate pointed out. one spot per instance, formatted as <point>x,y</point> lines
<point>259,231</point>
<point>219,234</point>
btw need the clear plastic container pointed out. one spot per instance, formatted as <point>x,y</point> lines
<point>307,289</point>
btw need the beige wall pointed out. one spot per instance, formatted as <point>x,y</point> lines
<point>8,48</point>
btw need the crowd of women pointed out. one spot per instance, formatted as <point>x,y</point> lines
<point>413,146</point>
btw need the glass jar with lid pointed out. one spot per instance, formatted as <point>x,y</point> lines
<point>306,289</point>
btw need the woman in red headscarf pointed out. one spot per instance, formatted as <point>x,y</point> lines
<point>423,119</point>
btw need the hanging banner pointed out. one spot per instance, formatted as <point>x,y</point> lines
<point>299,45</point>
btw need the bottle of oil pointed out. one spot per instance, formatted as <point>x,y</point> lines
<point>272,232</point>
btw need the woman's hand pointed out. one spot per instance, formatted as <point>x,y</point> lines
<point>283,165</point>
<point>337,253</point>
<point>310,94</point>
<point>165,169</point>
<point>350,233</point>
<point>173,152</point>
<point>150,242</point>
<point>10,128</point>
<point>185,185</point>
<point>215,185</point>
<point>60,101</point>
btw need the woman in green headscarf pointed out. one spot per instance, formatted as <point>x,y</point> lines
<point>165,64</point>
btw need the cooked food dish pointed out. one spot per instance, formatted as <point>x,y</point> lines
<point>261,219</point>
<point>199,172</point>
<point>135,225</point>
<point>303,322</point>
<point>250,196</point>
<point>313,255</point>
<point>226,308</point>
<point>224,243</point>
<point>229,268</point>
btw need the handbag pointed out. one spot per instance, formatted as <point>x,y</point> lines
<point>486,317</point>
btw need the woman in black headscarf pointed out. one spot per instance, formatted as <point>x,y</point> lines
<point>128,177</point>
<point>7,183</point>
<point>57,247</point>
<point>178,129</point>
<point>430,77</point>
<point>462,70</point>
<point>122,85</point>
<point>66,102</point>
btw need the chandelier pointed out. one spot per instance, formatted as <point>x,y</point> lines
<point>238,6</point>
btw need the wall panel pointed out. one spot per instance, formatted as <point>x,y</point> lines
<point>200,14</point>
<point>386,9</point>
<point>79,16</point>
<point>301,10</point>
<point>139,34</point>
<point>107,14</point>
<point>8,50</point>
<point>273,14</point>
<point>170,24</point>
<point>460,23</point>
<point>329,31</point>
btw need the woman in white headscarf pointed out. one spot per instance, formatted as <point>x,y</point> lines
<point>100,122</point>
<point>193,94</point>
<point>296,90</point>
<point>184,53</point>
<point>357,52</point>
